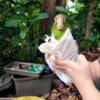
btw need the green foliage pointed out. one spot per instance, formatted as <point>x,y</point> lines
<point>14,22</point>
<point>61,9</point>
<point>77,7</point>
<point>20,24</point>
<point>77,21</point>
<point>95,29</point>
<point>93,40</point>
<point>19,31</point>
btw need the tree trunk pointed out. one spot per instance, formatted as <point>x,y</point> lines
<point>89,19</point>
<point>61,3</point>
<point>48,7</point>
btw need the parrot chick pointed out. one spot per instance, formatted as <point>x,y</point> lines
<point>60,44</point>
<point>59,26</point>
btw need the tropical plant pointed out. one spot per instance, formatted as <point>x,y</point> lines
<point>77,19</point>
<point>19,31</point>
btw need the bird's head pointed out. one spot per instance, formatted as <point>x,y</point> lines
<point>59,20</point>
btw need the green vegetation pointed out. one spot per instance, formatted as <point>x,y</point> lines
<point>77,18</point>
<point>20,32</point>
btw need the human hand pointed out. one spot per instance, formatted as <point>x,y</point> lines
<point>82,74</point>
<point>95,69</point>
<point>78,71</point>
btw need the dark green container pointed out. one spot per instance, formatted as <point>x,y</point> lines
<point>30,86</point>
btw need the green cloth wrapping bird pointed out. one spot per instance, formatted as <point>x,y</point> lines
<point>60,44</point>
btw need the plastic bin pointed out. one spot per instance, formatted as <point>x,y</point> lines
<point>29,86</point>
<point>14,68</point>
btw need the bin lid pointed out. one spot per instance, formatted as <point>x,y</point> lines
<point>24,69</point>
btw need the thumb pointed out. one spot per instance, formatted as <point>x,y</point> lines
<point>82,60</point>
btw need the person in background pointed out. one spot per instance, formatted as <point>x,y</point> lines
<point>83,74</point>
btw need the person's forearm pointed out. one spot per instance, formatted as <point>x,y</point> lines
<point>97,65</point>
<point>87,90</point>
<point>95,69</point>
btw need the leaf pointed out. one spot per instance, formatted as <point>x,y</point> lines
<point>61,9</point>
<point>84,45</point>
<point>77,6</point>
<point>15,41</point>
<point>24,1</point>
<point>23,32</point>
<point>39,17</point>
<point>98,43</point>
<point>13,22</point>
<point>43,15</point>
